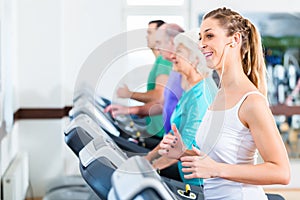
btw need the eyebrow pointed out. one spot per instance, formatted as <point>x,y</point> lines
<point>206,30</point>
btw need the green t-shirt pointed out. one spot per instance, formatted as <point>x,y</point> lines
<point>155,123</point>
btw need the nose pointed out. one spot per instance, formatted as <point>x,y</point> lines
<point>202,46</point>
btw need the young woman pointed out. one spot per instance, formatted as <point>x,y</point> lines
<point>239,121</point>
<point>199,92</point>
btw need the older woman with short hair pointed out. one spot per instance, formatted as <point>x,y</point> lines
<point>199,92</point>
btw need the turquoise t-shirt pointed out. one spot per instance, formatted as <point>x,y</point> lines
<point>188,115</point>
<point>155,123</point>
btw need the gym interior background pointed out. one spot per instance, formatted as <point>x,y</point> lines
<point>45,43</point>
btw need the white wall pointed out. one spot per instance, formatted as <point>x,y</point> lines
<point>37,82</point>
<point>86,25</point>
<point>44,142</point>
<point>8,63</point>
<point>39,53</point>
<point>52,41</point>
<point>55,38</point>
<point>8,144</point>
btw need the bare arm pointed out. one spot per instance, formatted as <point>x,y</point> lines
<point>163,162</point>
<point>159,162</point>
<point>274,170</point>
<point>152,155</point>
<point>152,95</point>
<point>173,147</point>
<point>149,109</point>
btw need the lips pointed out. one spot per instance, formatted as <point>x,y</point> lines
<point>207,54</point>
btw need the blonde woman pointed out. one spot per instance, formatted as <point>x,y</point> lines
<point>227,160</point>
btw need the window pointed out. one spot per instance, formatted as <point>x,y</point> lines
<point>141,21</point>
<point>139,12</point>
<point>155,2</point>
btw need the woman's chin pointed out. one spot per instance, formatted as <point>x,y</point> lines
<point>210,65</point>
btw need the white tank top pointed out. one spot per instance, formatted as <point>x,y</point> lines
<point>225,139</point>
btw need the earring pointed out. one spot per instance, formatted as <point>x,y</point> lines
<point>233,44</point>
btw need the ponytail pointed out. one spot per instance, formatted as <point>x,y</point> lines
<point>251,49</point>
<point>253,60</point>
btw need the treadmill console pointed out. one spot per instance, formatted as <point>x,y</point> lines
<point>139,176</point>
<point>102,147</point>
<point>88,124</point>
<point>98,116</point>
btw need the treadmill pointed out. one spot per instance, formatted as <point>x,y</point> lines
<point>126,141</point>
<point>83,129</point>
<point>102,160</point>
<point>86,92</point>
<point>132,127</point>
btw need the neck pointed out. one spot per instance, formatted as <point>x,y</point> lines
<point>232,76</point>
<point>155,52</point>
<point>191,79</point>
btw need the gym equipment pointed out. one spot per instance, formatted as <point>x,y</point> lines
<point>86,107</point>
<point>275,197</point>
<point>69,188</point>
<point>98,161</point>
<point>87,92</point>
<point>126,141</point>
<point>101,157</point>
<point>82,129</point>
<point>145,183</point>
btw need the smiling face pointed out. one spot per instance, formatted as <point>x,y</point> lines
<point>181,59</point>
<point>213,42</point>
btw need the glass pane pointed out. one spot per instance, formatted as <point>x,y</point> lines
<point>138,22</point>
<point>154,2</point>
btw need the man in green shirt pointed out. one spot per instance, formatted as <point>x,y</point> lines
<point>160,67</point>
<point>157,80</point>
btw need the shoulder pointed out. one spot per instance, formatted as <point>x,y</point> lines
<point>255,100</point>
<point>161,61</point>
<point>197,99</point>
<point>162,68</point>
<point>254,106</point>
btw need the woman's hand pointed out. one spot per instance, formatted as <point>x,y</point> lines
<point>172,145</point>
<point>163,162</point>
<point>149,157</point>
<point>117,110</point>
<point>124,92</point>
<point>200,166</point>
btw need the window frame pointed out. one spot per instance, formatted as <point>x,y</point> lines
<point>158,10</point>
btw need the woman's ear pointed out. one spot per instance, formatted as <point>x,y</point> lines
<point>236,38</point>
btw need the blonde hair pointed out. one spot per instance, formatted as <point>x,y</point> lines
<point>251,50</point>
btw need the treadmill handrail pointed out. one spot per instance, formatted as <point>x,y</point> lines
<point>102,147</point>
<point>87,93</point>
<point>138,182</point>
<point>84,121</point>
<point>96,115</point>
